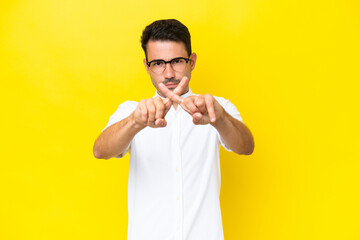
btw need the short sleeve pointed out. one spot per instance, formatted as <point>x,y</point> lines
<point>232,111</point>
<point>123,111</point>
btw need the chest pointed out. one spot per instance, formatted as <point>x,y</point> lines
<point>179,137</point>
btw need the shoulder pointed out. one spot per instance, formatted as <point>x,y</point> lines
<point>123,111</point>
<point>127,105</point>
<point>130,103</point>
<point>229,107</point>
<point>222,101</point>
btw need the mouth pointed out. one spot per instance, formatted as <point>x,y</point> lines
<point>171,85</point>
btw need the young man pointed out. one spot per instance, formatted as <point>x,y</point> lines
<point>173,140</point>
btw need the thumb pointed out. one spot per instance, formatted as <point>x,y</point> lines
<point>161,122</point>
<point>197,118</point>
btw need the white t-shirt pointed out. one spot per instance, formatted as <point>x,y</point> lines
<point>174,177</point>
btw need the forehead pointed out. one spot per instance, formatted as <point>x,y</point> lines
<point>165,50</point>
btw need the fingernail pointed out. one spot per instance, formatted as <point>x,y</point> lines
<point>213,119</point>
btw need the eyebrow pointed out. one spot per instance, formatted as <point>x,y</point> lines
<point>165,60</point>
<point>158,60</point>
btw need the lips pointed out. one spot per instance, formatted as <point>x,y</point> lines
<point>171,85</point>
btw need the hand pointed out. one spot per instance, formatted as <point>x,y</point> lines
<point>151,112</point>
<point>203,108</point>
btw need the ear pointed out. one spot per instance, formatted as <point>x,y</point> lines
<point>193,58</point>
<point>146,66</point>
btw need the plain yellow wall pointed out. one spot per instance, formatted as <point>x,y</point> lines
<point>290,67</point>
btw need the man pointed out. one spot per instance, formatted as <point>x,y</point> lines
<point>173,140</point>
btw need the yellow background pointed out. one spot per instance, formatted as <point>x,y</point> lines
<point>290,67</point>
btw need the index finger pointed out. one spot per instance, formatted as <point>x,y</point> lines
<point>170,94</point>
<point>167,102</point>
<point>180,88</point>
<point>210,107</point>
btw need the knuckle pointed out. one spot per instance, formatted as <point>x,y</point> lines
<point>152,111</point>
<point>142,103</point>
<point>149,101</point>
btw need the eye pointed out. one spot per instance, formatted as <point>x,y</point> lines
<point>177,61</point>
<point>157,64</point>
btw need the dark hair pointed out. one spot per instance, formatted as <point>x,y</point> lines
<point>166,30</point>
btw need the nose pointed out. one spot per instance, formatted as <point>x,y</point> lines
<point>169,71</point>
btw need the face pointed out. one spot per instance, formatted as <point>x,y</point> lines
<point>167,50</point>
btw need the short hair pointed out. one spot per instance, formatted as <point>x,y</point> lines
<point>166,30</point>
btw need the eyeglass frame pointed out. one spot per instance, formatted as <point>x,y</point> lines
<point>186,60</point>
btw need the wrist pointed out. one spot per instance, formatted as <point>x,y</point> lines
<point>220,119</point>
<point>134,124</point>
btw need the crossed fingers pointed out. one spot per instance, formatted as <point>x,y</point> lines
<point>177,91</point>
<point>151,112</point>
<point>156,115</point>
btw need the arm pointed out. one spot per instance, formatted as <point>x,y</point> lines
<point>115,139</point>
<point>235,135</point>
<point>205,109</point>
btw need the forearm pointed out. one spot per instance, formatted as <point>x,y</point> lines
<point>234,134</point>
<point>115,139</point>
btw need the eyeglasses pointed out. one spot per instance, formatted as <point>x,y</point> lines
<point>158,65</point>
